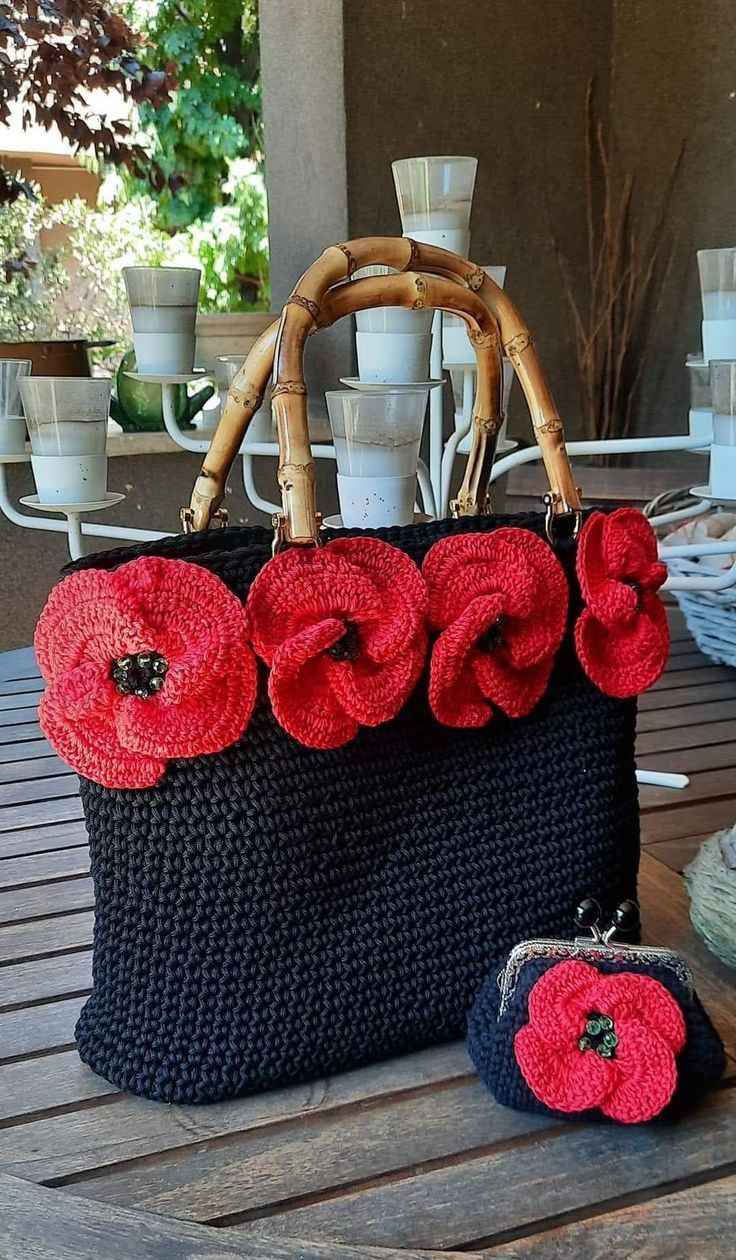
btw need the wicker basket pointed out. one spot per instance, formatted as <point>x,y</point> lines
<point>710,616</point>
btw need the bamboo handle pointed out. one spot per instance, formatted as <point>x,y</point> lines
<point>297,469</point>
<point>302,313</point>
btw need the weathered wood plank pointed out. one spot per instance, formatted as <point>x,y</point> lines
<point>30,840</point>
<point>706,785</point>
<point>18,771</point>
<point>43,1224</point>
<point>692,1224</point>
<point>693,675</point>
<point>18,686</point>
<point>38,789</point>
<point>556,1171</point>
<point>38,1028</point>
<point>40,867</point>
<point>21,983</point>
<point>24,749</point>
<point>45,936</point>
<point>19,699</point>
<point>676,697</point>
<point>693,760</point>
<point>16,715</point>
<point>687,820</point>
<point>18,663</point>
<point>36,1085</point>
<point>48,1149</point>
<point>362,1143</point>
<point>58,810</point>
<point>44,899</point>
<point>687,715</point>
<point>702,734</point>
<point>16,734</point>
<point>676,853</point>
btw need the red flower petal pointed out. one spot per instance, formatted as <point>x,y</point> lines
<point>624,662</point>
<point>567,1080</point>
<point>304,601</point>
<point>92,746</point>
<point>561,999</point>
<point>172,607</point>
<point>645,1074</point>
<point>301,670</point>
<point>621,637</point>
<point>510,579</point>
<point>628,995</point>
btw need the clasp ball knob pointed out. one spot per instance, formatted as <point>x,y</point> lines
<point>587,913</point>
<point>626,917</point>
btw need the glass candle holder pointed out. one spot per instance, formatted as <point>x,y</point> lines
<point>163,308</point>
<point>11,373</point>
<point>435,196</point>
<point>376,437</point>
<point>700,415</point>
<point>66,415</point>
<point>723,451</point>
<point>717,268</point>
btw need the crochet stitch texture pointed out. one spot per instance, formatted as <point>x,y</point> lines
<point>274,912</point>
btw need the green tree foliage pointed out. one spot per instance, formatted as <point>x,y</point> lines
<point>205,142</point>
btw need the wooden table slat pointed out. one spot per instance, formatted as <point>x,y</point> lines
<point>39,1028</point>
<point>21,983</point>
<point>30,841</point>
<point>42,899</point>
<point>40,867</point>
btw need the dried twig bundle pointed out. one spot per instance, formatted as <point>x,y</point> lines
<point>626,273</point>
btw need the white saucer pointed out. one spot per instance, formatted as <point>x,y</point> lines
<point>335,522</point>
<point>704,492</point>
<point>354,382</point>
<point>168,378</point>
<point>78,509</point>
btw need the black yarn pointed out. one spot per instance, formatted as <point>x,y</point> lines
<point>273,912</point>
<point>700,1064</point>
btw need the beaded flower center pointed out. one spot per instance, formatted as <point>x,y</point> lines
<point>492,638</point>
<point>348,647</point>
<point>636,588</point>
<point>599,1035</point>
<point>142,674</point>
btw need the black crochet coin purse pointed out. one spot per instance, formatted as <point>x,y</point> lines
<point>594,1027</point>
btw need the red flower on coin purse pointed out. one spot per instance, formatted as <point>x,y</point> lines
<point>594,1027</point>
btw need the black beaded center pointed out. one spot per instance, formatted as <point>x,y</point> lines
<point>348,647</point>
<point>599,1035</point>
<point>492,638</point>
<point>142,674</point>
<point>636,588</point>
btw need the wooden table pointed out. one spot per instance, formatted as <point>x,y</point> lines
<point>407,1158</point>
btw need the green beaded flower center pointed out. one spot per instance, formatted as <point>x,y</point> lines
<point>599,1035</point>
<point>141,674</point>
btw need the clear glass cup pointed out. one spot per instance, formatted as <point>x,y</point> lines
<point>699,378</point>
<point>11,372</point>
<point>377,433</point>
<point>435,192</point>
<point>717,268</point>
<point>163,308</point>
<point>723,387</point>
<point>66,415</point>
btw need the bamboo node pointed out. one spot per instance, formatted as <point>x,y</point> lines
<point>306,303</point>
<point>413,255</point>
<point>517,345</point>
<point>420,301</point>
<point>487,424</point>
<point>244,399</point>
<point>352,262</point>
<point>476,279</point>
<point>483,340</point>
<point>553,425</point>
<point>288,387</point>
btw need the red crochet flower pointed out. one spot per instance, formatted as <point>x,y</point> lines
<point>601,1041</point>
<point>342,628</point>
<point>499,601</point>
<point>142,664</point>
<point>622,638</point>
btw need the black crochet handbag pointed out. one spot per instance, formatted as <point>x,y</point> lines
<point>313,827</point>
